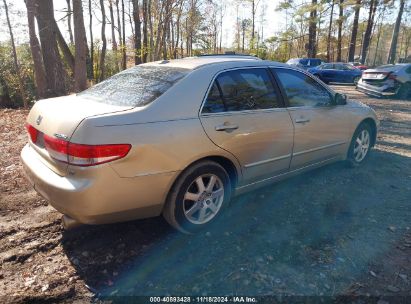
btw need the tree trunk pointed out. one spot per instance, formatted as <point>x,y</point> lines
<point>51,58</point>
<point>150,21</point>
<point>80,67</point>
<point>393,47</point>
<point>353,41</point>
<point>69,12</point>
<point>104,42</point>
<point>119,30</point>
<point>252,23</point>
<point>339,37</point>
<point>137,33</point>
<point>378,41</point>
<point>68,56</point>
<point>113,33</point>
<point>329,31</point>
<point>367,35</point>
<point>124,49</point>
<point>91,39</point>
<point>15,60</point>
<point>312,31</point>
<point>145,31</point>
<point>40,75</point>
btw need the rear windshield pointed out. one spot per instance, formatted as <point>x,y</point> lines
<point>137,86</point>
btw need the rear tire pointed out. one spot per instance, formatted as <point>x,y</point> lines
<point>360,146</point>
<point>198,197</point>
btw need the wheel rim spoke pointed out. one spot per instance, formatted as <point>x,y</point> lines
<point>200,184</point>
<point>193,210</point>
<point>192,196</point>
<point>213,207</point>
<point>211,183</point>
<point>202,214</point>
<point>217,194</point>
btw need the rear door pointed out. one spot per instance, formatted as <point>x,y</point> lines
<point>327,72</point>
<point>244,115</point>
<point>321,129</point>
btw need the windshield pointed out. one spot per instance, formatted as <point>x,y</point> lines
<point>136,87</point>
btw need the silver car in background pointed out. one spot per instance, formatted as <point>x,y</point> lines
<point>387,80</point>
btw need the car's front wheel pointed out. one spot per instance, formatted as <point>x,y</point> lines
<point>356,79</point>
<point>198,197</point>
<point>360,144</point>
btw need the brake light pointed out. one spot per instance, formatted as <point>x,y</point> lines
<point>84,155</point>
<point>32,131</point>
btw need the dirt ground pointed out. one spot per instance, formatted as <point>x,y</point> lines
<point>334,231</point>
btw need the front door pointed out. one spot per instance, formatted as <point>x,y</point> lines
<point>244,115</point>
<point>321,128</point>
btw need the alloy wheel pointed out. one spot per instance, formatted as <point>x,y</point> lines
<point>203,199</point>
<point>361,145</point>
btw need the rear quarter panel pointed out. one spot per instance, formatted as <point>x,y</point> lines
<point>157,147</point>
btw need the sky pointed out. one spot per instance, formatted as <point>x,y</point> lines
<point>274,21</point>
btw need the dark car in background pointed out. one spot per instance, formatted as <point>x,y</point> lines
<point>304,63</point>
<point>337,72</point>
<point>387,80</point>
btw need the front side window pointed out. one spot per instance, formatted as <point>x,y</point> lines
<point>137,86</point>
<point>241,90</point>
<point>302,90</point>
<point>348,67</point>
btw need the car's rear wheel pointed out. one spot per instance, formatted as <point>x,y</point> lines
<point>198,197</point>
<point>360,146</point>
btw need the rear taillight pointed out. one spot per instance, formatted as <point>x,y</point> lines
<point>84,155</point>
<point>33,133</point>
<point>392,76</point>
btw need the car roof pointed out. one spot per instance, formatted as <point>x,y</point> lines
<point>194,63</point>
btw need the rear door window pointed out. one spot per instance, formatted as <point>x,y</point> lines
<point>327,66</point>
<point>137,86</point>
<point>241,90</point>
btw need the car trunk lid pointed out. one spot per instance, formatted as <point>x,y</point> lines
<point>59,117</point>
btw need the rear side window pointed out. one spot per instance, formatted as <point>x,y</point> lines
<point>302,90</point>
<point>327,66</point>
<point>137,86</point>
<point>240,90</point>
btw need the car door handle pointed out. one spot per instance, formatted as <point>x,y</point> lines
<point>302,120</point>
<point>226,127</point>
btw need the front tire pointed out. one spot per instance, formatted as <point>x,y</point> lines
<point>198,197</point>
<point>360,145</point>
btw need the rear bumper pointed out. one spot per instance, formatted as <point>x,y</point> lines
<point>374,90</point>
<point>98,195</point>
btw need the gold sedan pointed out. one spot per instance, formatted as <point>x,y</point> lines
<point>182,137</point>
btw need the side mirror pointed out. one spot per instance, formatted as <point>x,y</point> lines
<point>340,99</point>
